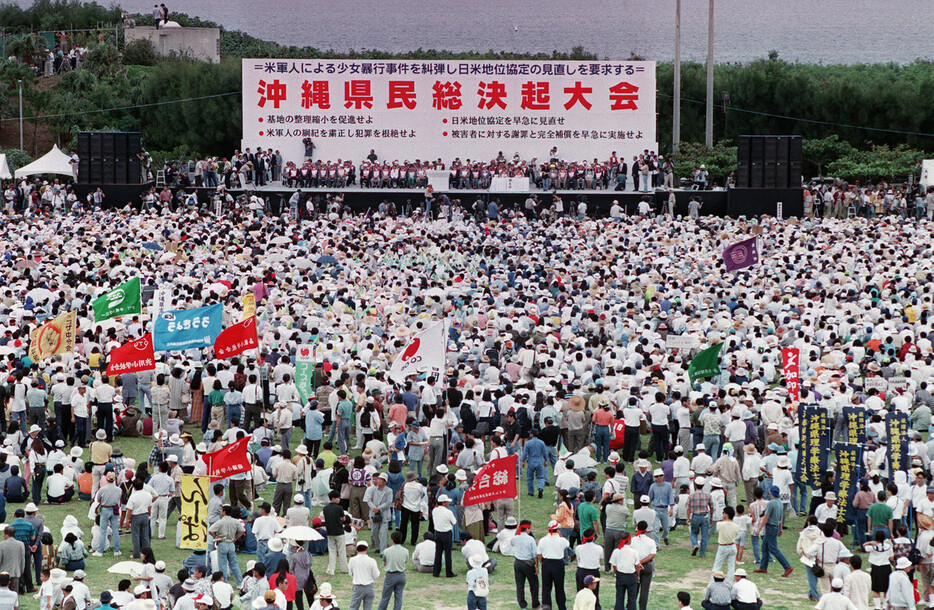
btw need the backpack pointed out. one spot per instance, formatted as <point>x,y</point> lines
<point>481,588</point>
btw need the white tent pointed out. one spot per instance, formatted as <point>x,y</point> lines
<point>4,169</point>
<point>53,162</point>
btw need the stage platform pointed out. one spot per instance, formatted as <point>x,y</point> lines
<point>733,202</point>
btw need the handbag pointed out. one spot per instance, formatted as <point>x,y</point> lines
<point>818,568</point>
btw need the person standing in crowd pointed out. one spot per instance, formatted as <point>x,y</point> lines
<point>551,554</point>
<point>770,523</point>
<point>395,558</point>
<point>363,573</point>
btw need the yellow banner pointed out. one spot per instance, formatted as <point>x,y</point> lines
<point>194,517</point>
<point>55,337</point>
<point>249,306</point>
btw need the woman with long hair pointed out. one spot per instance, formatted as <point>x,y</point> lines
<point>282,570</point>
<point>71,553</point>
<point>37,458</point>
<point>197,395</point>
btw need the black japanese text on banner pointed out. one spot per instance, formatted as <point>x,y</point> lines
<point>815,444</point>
<point>447,109</point>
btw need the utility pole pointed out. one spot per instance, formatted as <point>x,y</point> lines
<point>21,115</point>
<point>676,113</point>
<point>709,131</point>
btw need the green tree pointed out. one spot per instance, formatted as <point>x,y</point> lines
<point>818,152</point>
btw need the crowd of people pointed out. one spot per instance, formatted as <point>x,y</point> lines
<point>557,348</point>
<point>646,172</point>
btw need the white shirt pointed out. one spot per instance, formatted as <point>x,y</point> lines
<point>58,483</point>
<point>552,546</point>
<point>266,527</point>
<point>745,591</point>
<point>105,392</point>
<point>363,569</point>
<point>424,553</point>
<point>222,593</point>
<point>589,555</point>
<point>444,519</point>
<point>79,407</point>
<point>625,559</point>
<point>139,502</point>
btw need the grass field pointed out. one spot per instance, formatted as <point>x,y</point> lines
<point>675,569</point>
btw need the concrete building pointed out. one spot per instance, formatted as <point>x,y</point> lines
<point>198,43</point>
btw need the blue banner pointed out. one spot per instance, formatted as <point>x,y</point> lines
<point>846,483</point>
<point>896,431</point>
<point>187,328</point>
<point>854,425</point>
<point>815,444</point>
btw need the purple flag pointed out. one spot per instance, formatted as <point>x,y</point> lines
<point>741,254</point>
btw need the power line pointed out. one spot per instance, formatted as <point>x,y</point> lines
<point>815,121</point>
<point>190,99</point>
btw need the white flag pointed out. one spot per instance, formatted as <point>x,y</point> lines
<point>424,353</point>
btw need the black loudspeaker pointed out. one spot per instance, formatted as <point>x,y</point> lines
<point>773,162</point>
<point>756,162</point>
<point>742,162</point>
<point>109,157</point>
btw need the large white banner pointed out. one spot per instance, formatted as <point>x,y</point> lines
<point>446,109</point>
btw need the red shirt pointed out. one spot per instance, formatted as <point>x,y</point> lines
<point>290,592</point>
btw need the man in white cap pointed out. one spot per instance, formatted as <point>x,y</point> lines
<point>702,463</point>
<point>363,573</point>
<point>101,452</point>
<point>551,552</point>
<point>444,522</point>
<point>901,593</point>
<point>80,591</point>
<point>745,593</point>
<point>298,514</point>
<point>379,498</point>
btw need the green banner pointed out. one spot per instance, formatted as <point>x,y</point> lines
<point>122,300</point>
<point>304,370</point>
<point>705,363</point>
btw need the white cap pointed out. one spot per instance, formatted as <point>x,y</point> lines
<point>31,508</point>
<point>443,498</point>
<point>299,499</point>
<point>700,447</point>
<point>658,472</point>
<point>837,583</point>
<point>160,565</point>
<point>645,499</point>
<point>34,428</point>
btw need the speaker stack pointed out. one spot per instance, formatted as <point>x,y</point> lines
<point>770,162</point>
<point>109,157</point>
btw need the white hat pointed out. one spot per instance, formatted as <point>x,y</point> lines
<point>275,545</point>
<point>837,583</point>
<point>716,482</point>
<point>830,496</point>
<point>171,458</point>
<point>301,450</point>
<point>461,475</point>
<point>363,543</point>
<point>76,452</point>
<point>35,428</point>
<point>175,439</point>
<point>79,574</point>
<point>140,589</point>
<point>207,600</point>
<point>442,469</point>
<point>299,499</point>
<point>645,499</point>
<point>324,591</point>
<point>31,508</point>
<point>384,476</point>
<point>740,572</point>
<point>700,447</point>
<point>160,566</point>
<point>902,563</point>
<point>59,443</point>
<point>201,448</point>
<point>443,498</point>
<point>100,435</point>
<point>658,472</point>
<point>699,481</point>
<point>475,560</point>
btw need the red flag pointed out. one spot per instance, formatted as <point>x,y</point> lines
<point>132,357</point>
<point>229,460</point>
<point>236,339</point>
<point>495,481</point>
<point>790,367</point>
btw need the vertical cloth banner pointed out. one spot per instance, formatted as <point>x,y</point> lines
<point>230,460</point>
<point>846,483</point>
<point>122,300</point>
<point>132,357</point>
<point>194,512</point>
<point>495,481</point>
<point>187,328</point>
<point>249,305</point>
<point>706,363</point>
<point>742,254</point>
<point>815,444</point>
<point>424,354</point>
<point>161,301</point>
<point>854,425</point>
<point>53,338</point>
<point>896,431</point>
<point>304,371</point>
<point>790,367</point>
